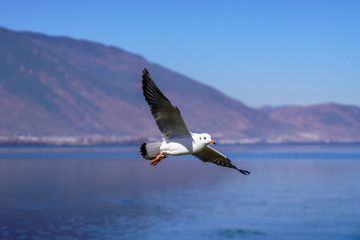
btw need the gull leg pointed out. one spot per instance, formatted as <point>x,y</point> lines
<point>158,159</point>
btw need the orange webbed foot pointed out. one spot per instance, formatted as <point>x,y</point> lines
<point>158,159</point>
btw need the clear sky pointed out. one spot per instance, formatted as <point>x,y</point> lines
<point>260,52</point>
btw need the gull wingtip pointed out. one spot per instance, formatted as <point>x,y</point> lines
<point>245,172</point>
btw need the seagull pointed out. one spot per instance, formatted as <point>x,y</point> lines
<point>176,138</point>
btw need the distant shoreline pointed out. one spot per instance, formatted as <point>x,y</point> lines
<point>111,141</point>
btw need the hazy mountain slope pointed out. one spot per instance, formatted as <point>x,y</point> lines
<point>61,86</point>
<point>58,86</point>
<point>327,121</point>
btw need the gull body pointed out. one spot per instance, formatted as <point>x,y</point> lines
<point>183,146</point>
<point>177,139</point>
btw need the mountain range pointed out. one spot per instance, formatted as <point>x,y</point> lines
<point>63,87</point>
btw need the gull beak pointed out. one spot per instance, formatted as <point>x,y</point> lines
<point>212,142</point>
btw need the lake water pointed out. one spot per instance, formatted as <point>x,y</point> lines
<point>293,192</point>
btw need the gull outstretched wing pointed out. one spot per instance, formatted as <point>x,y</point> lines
<point>167,117</point>
<point>209,154</point>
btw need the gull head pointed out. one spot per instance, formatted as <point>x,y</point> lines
<point>205,138</point>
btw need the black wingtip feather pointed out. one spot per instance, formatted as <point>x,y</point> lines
<point>151,91</point>
<point>145,75</point>
<point>143,150</point>
<point>244,172</point>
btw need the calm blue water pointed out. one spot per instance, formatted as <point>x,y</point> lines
<point>293,192</point>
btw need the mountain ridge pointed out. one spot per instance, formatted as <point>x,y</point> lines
<point>59,86</point>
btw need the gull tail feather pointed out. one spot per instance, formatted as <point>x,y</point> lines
<point>150,150</point>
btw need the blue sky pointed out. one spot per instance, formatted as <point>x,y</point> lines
<point>260,52</point>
